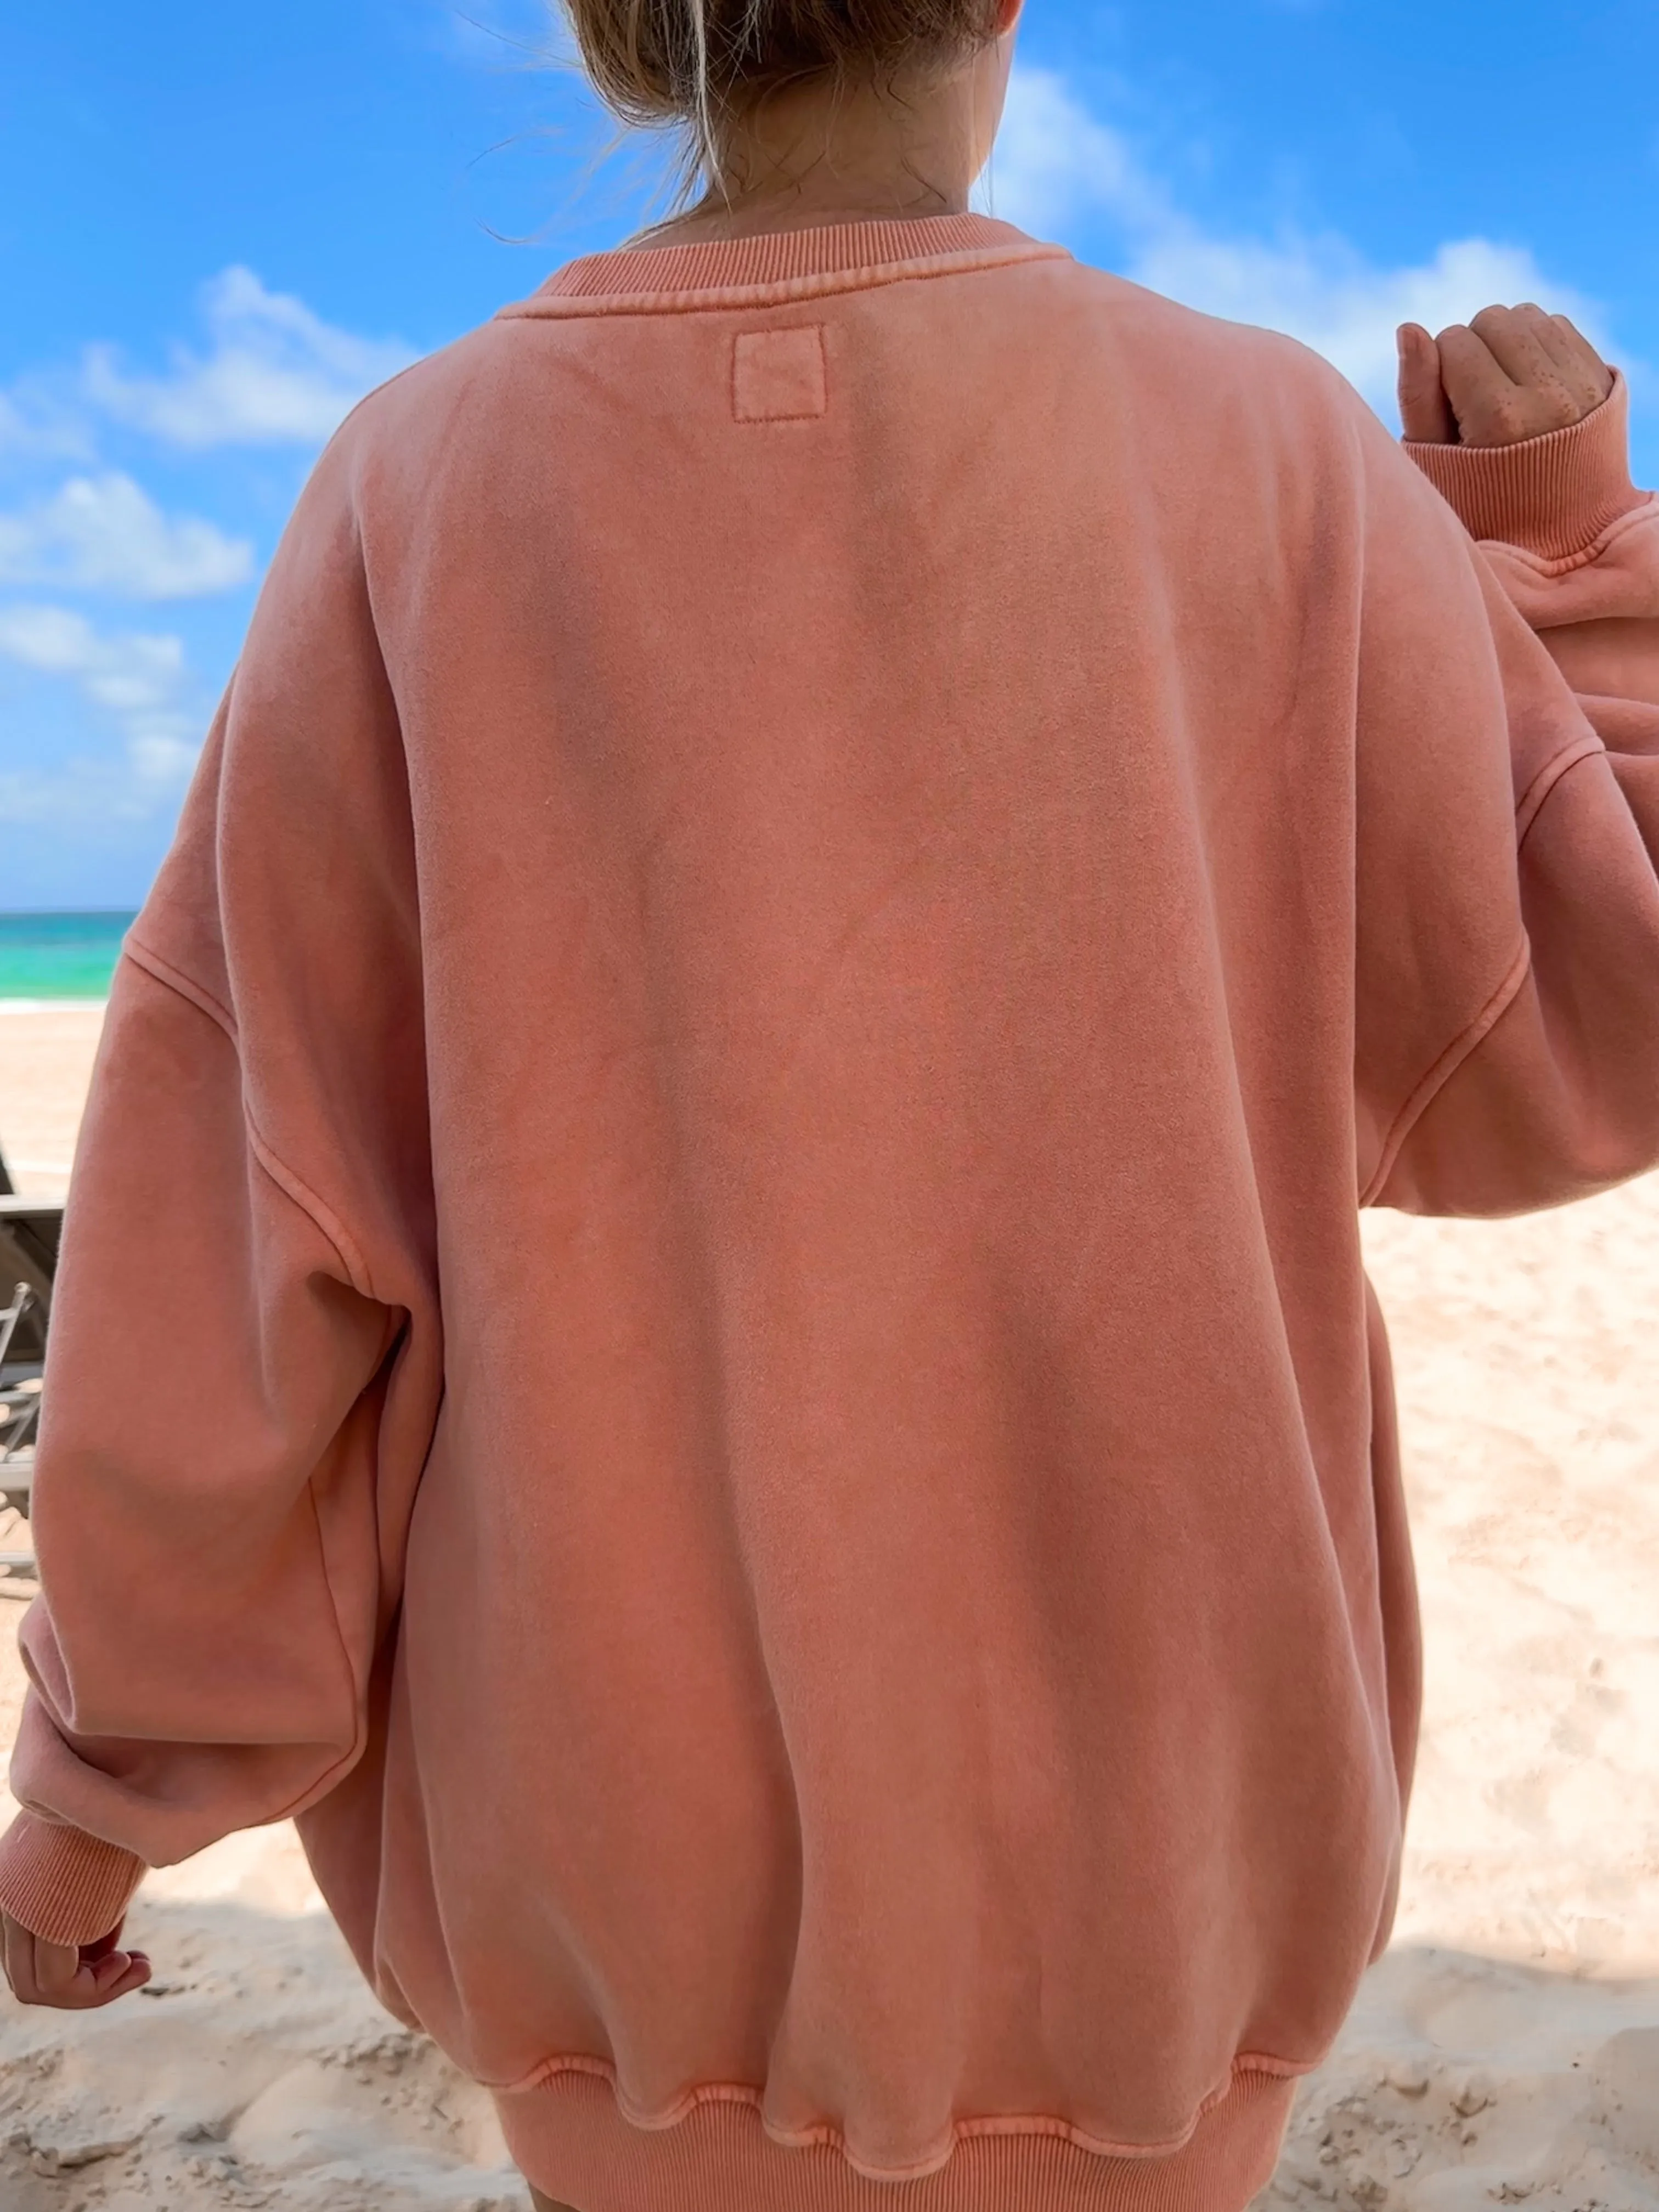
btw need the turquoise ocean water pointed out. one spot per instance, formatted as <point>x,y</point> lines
<point>59,956</point>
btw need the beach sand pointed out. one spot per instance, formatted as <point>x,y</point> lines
<point>45,1059</point>
<point>1506,2048</point>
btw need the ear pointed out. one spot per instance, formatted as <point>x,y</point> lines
<point>1008,16</point>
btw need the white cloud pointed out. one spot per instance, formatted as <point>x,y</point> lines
<point>105,533</point>
<point>1052,161</point>
<point>139,668</point>
<point>266,370</point>
<point>95,797</point>
<point>1055,164</point>
<point>1327,294</point>
<point>38,424</point>
<point>15,430</point>
<point>273,373</point>
<point>138,677</point>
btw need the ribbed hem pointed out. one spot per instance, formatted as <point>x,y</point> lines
<point>570,2140</point>
<point>62,1885</point>
<point>773,256</point>
<point>1554,495</point>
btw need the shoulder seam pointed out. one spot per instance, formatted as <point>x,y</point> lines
<point>294,1187</point>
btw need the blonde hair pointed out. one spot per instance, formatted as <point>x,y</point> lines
<point>701,64</point>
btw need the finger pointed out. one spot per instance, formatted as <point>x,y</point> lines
<point>91,1952</point>
<point>137,1973</point>
<point>29,1990</point>
<point>113,1973</point>
<point>1581,350</point>
<point>19,1955</point>
<point>1425,414</point>
<point>1514,344</point>
<point>1576,362</point>
<point>1481,392</point>
<point>1552,340</point>
<point>22,1968</point>
<point>105,1978</point>
<point>57,1969</point>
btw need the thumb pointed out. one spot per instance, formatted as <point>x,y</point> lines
<point>1425,413</point>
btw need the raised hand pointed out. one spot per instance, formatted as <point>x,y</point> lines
<point>1509,374</point>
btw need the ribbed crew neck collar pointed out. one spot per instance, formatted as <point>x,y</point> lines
<point>776,257</point>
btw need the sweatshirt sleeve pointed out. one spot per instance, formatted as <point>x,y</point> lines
<point>242,1365</point>
<point>1507,808</point>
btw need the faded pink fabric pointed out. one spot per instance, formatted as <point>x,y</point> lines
<point>712,1310</point>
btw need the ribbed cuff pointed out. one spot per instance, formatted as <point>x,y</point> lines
<point>1554,495</point>
<point>62,1885</point>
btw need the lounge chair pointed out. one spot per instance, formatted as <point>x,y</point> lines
<point>30,1232</point>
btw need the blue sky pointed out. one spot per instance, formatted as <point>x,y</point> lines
<point>219,226</point>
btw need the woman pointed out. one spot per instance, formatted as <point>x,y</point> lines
<point>712,1314</point>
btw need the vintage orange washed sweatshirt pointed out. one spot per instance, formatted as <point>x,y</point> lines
<point>712,1311</point>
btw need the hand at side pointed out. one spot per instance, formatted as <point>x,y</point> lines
<point>70,1978</point>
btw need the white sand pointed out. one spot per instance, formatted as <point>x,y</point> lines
<point>45,1058</point>
<point>1507,2047</point>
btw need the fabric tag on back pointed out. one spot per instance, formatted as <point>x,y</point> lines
<point>777,376</point>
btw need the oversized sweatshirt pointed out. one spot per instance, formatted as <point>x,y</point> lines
<point>712,1310</point>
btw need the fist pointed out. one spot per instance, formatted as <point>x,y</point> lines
<point>1512,372</point>
<point>72,1979</point>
